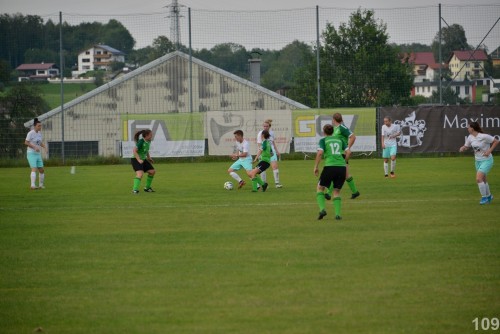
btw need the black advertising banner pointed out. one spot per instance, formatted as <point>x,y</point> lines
<point>438,128</point>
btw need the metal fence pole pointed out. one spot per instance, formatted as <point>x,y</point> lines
<point>61,63</point>
<point>440,60</point>
<point>317,57</point>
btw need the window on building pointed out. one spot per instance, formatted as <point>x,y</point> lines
<point>87,52</point>
<point>86,67</point>
<point>466,90</point>
<point>467,65</point>
<point>85,60</point>
<point>457,90</point>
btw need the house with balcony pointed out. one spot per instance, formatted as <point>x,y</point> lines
<point>98,57</point>
<point>467,65</point>
<point>42,71</point>
<point>425,67</point>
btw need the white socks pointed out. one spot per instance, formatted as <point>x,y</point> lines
<point>235,176</point>
<point>41,179</point>
<point>263,176</point>
<point>483,189</point>
<point>393,166</point>
<point>386,168</point>
<point>276,173</point>
<point>33,179</point>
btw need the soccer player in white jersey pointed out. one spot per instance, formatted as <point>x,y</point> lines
<point>483,145</point>
<point>34,154</point>
<point>389,145</point>
<point>274,157</point>
<point>242,158</point>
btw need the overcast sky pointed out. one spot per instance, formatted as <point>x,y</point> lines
<point>39,7</point>
<point>410,21</point>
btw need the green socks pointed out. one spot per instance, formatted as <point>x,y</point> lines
<point>320,198</point>
<point>256,180</point>
<point>149,180</point>
<point>137,183</point>
<point>337,204</point>
<point>350,183</point>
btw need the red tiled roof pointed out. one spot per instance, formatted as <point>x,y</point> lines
<point>469,55</point>
<point>424,58</point>
<point>26,67</point>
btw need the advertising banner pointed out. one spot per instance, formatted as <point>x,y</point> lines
<point>439,128</point>
<point>308,128</point>
<point>222,124</point>
<point>174,135</point>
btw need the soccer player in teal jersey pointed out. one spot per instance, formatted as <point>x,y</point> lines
<point>342,132</point>
<point>264,153</point>
<point>334,171</point>
<point>142,162</point>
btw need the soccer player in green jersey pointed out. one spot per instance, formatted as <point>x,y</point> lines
<point>347,136</point>
<point>264,153</point>
<point>334,171</point>
<point>142,162</point>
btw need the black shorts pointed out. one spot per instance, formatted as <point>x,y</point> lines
<point>262,166</point>
<point>333,174</point>
<point>145,166</point>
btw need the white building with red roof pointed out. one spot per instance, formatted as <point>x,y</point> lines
<point>41,71</point>
<point>467,64</point>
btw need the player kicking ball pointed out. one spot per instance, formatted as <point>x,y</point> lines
<point>264,154</point>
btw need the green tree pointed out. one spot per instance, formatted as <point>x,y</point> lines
<point>19,104</point>
<point>358,66</point>
<point>453,39</point>
<point>117,36</point>
<point>5,71</point>
<point>231,57</point>
<point>160,47</point>
<point>281,72</point>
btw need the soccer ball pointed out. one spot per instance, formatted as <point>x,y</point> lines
<point>228,185</point>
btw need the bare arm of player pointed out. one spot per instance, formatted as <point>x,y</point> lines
<point>492,147</point>
<point>319,154</point>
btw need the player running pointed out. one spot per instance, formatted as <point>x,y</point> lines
<point>243,158</point>
<point>347,136</point>
<point>483,146</point>
<point>264,154</point>
<point>334,170</point>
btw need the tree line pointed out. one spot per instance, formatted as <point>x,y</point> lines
<point>358,64</point>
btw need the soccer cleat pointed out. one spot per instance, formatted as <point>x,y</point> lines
<point>337,217</point>
<point>386,176</point>
<point>328,196</point>
<point>241,184</point>
<point>149,190</point>
<point>356,194</point>
<point>392,175</point>
<point>484,200</point>
<point>322,213</point>
<point>279,185</point>
<point>33,188</point>
<point>41,187</point>
<point>490,198</point>
<point>135,192</point>
<point>264,187</point>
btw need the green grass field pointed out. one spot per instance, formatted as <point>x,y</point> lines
<point>416,254</point>
<point>52,92</point>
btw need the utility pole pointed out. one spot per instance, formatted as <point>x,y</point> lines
<point>175,30</point>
